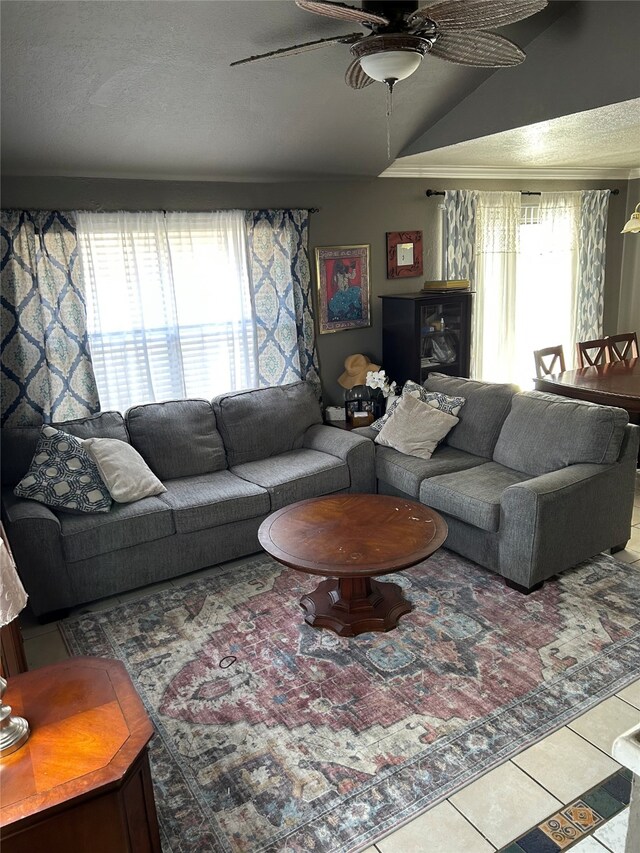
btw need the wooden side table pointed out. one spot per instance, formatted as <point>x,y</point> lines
<point>12,656</point>
<point>82,780</point>
<point>340,424</point>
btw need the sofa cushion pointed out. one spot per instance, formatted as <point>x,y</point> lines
<point>124,472</point>
<point>102,425</point>
<point>19,443</point>
<point>63,475</point>
<point>296,475</point>
<point>123,526</point>
<point>415,428</point>
<point>473,495</point>
<point>481,418</point>
<point>208,500</point>
<point>545,432</point>
<point>177,438</point>
<point>406,473</point>
<point>267,421</point>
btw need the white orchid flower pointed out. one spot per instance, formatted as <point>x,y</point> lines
<point>378,380</point>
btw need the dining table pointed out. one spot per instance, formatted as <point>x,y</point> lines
<point>614,384</point>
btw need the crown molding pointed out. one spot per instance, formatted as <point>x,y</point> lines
<point>634,174</point>
<point>405,170</point>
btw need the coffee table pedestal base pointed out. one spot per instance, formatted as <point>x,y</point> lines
<point>352,606</point>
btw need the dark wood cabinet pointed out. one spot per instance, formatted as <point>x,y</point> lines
<point>424,333</point>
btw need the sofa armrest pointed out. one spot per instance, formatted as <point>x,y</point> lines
<point>19,509</point>
<point>356,450</point>
<point>558,519</point>
<point>34,531</point>
<point>367,432</point>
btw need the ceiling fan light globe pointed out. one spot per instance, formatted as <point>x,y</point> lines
<point>391,64</point>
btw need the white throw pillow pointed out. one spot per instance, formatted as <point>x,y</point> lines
<point>124,471</point>
<point>415,428</point>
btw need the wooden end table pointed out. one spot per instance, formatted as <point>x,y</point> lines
<point>351,538</point>
<point>82,781</point>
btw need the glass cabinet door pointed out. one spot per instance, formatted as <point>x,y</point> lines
<point>423,334</point>
<point>440,328</point>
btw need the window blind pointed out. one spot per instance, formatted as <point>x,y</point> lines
<point>168,304</point>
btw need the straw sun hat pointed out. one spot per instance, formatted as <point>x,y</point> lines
<point>356,368</point>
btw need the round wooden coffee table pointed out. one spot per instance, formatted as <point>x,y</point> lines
<point>351,538</point>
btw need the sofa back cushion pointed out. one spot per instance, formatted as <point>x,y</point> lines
<point>482,416</point>
<point>267,421</point>
<point>545,432</point>
<point>177,438</point>
<point>19,443</point>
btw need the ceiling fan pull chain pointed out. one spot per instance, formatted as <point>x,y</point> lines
<point>389,85</point>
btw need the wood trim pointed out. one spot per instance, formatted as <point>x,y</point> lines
<point>13,658</point>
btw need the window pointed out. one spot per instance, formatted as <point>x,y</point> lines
<point>526,283</point>
<point>545,288</point>
<point>168,304</point>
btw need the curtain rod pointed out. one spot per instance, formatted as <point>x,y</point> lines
<point>429,193</point>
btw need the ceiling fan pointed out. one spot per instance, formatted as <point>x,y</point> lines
<point>401,32</point>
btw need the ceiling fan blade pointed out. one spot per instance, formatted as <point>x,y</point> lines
<point>341,11</point>
<point>349,38</point>
<point>356,77</point>
<point>475,14</point>
<point>477,48</point>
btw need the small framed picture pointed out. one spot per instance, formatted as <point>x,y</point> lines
<point>404,254</point>
<point>344,289</point>
<point>359,412</point>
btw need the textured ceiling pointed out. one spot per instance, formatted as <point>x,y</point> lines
<point>604,138</point>
<point>144,89</point>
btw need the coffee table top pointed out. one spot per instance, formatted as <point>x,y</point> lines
<point>351,535</point>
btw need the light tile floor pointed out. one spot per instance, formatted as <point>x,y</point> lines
<point>497,808</point>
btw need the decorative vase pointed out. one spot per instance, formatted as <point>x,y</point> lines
<point>379,402</point>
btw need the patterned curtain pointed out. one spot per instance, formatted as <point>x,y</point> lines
<point>45,363</point>
<point>281,290</point>
<point>460,215</point>
<point>593,237</point>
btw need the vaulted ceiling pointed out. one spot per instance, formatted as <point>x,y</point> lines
<point>144,89</point>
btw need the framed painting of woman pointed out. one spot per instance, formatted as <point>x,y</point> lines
<point>344,291</point>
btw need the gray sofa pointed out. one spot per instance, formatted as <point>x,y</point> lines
<point>529,483</point>
<point>226,465</point>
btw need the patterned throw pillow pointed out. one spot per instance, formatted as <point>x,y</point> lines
<point>449,405</point>
<point>62,475</point>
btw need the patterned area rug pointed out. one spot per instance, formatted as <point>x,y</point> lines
<point>275,736</point>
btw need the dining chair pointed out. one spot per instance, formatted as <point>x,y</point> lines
<point>549,361</point>
<point>591,353</point>
<point>623,347</point>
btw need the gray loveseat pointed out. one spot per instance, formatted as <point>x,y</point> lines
<point>226,465</point>
<point>529,483</point>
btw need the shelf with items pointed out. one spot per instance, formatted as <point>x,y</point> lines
<point>426,332</point>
